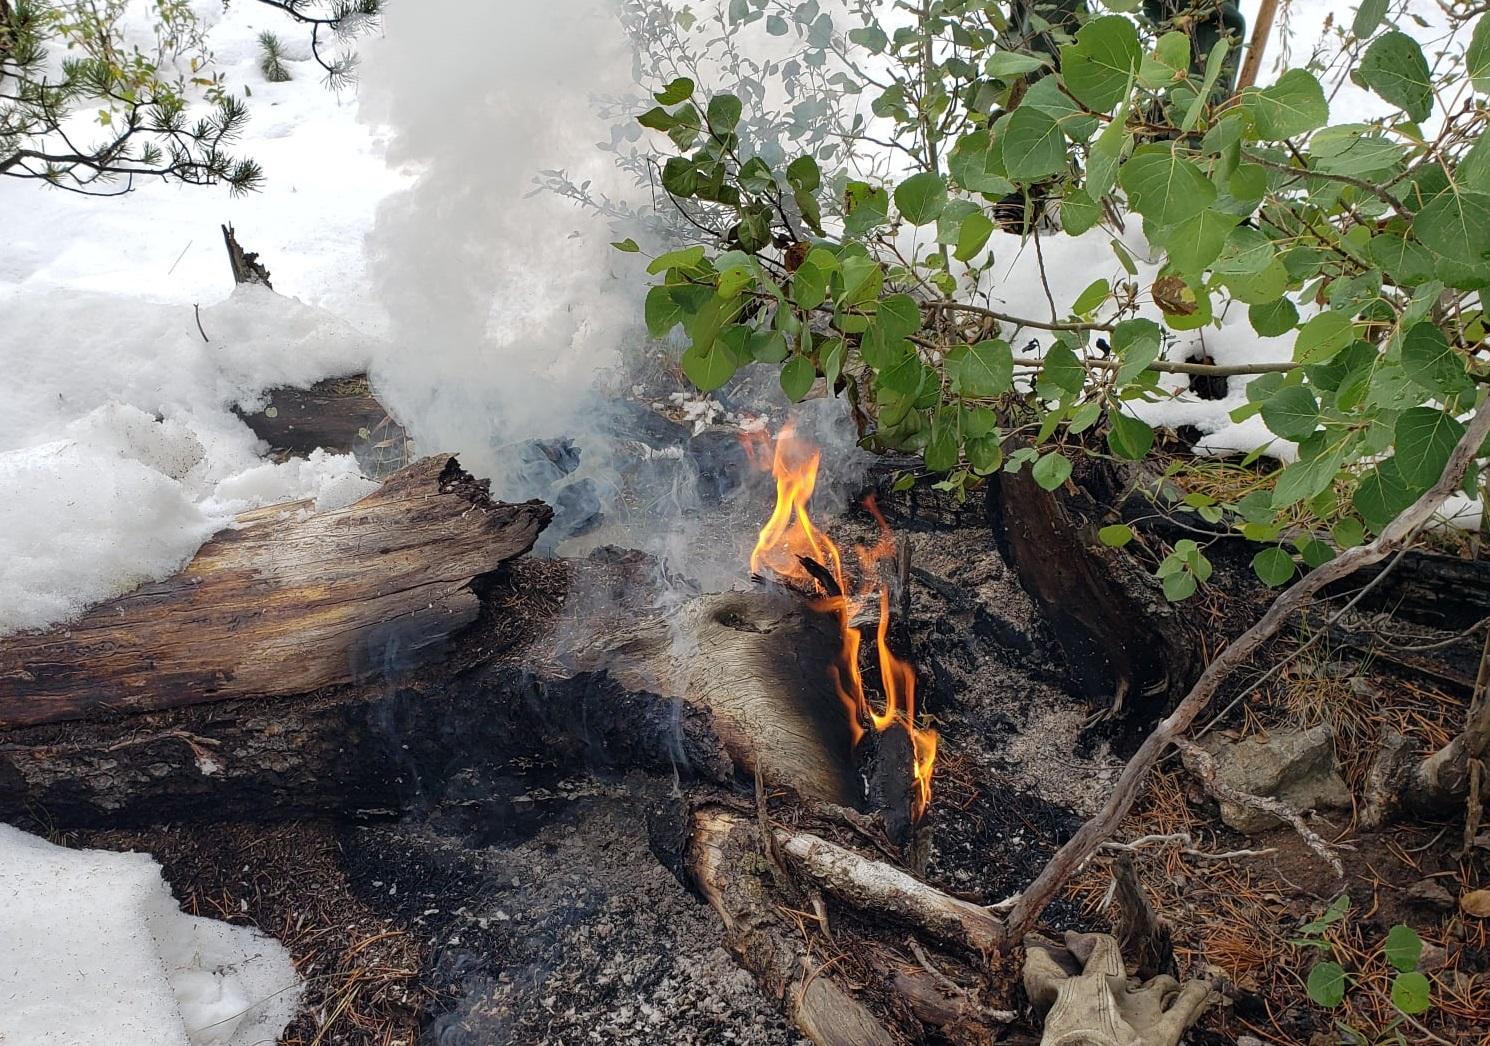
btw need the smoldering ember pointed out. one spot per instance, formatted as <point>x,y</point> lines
<point>753,522</point>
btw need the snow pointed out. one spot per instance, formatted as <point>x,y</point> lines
<point>100,954</point>
<point>119,452</point>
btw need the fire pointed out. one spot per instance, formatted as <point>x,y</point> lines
<point>790,546</point>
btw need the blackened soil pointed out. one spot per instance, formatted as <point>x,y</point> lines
<point>570,932</point>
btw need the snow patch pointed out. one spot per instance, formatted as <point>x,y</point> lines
<point>119,451</point>
<point>100,954</point>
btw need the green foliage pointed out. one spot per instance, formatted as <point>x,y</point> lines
<point>1365,245</point>
<point>1328,983</point>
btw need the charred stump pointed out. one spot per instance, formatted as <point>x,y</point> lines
<point>1125,651</point>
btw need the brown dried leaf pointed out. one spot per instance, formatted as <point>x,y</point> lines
<point>1173,295</point>
<point>1476,903</point>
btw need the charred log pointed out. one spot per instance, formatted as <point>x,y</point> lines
<point>338,414</point>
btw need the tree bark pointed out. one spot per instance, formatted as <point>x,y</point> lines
<point>340,415</point>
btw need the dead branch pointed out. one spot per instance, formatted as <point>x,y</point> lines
<point>877,887</point>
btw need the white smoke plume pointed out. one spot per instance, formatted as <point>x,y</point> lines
<point>506,306</point>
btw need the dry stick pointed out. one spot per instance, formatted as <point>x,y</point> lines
<point>1266,12</point>
<point>1092,834</point>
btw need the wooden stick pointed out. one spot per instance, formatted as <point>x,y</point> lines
<point>1267,10</point>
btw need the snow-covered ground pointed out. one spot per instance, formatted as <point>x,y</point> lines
<point>97,952</point>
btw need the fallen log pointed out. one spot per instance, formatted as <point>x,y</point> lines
<point>286,603</point>
<point>564,667</point>
<point>338,414</point>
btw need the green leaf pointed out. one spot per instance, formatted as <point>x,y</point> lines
<point>711,367</point>
<point>977,165</point>
<point>1179,586</point>
<point>1137,343</point>
<point>1128,437</point>
<point>940,454</point>
<point>1411,993</point>
<point>987,370</point>
<point>1099,67</point>
<point>1381,495</point>
<point>868,207</point>
<point>1274,567</point>
<point>1215,62</point>
<point>1165,187</point>
<point>802,174</point>
<point>1368,16</point>
<point>1079,212</point>
<point>1292,413</point>
<point>1197,241</point>
<point>1005,65</point>
<point>626,246</point>
<point>1457,226</point>
<point>1477,56</point>
<point>1115,536</point>
<point>1293,106</point>
<point>1061,372</point>
<point>1394,67</point>
<point>1403,948</point>
<point>1431,363</point>
<point>797,377</point>
<point>662,312</point>
<point>1273,319</point>
<point>687,258</point>
<point>1034,145</point>
<point>724,114</point>
<point>1322,337</point>
<point>1425,437</point>
<point>973,237</point>
<point>770,346</point>
<point>984,453</point>
<point>921,198</point>
<point>1348,532</point>
<point>657,119</point>
<point>1051,471</point>
<point>679,90</point>
<point>1094,295</point>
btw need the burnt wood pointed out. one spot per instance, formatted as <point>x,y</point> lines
<point>1122,648</point>
<point>287,603</point>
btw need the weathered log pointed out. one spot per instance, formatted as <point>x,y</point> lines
<point>281,605</point>
<point>338,414</point>
<point>559,670</point>
<point>759,662</point>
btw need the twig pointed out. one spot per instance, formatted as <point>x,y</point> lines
<point>1091,835</point>
<point>1261,30</point>
<point>198,310</point>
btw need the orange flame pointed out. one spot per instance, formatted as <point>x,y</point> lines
<point>787,537</point>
